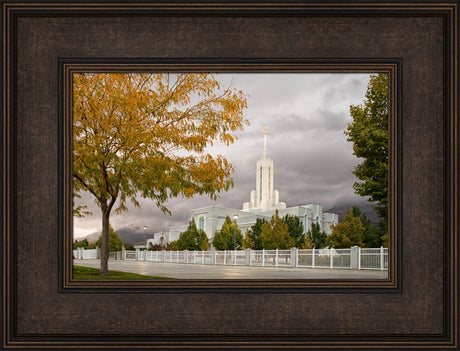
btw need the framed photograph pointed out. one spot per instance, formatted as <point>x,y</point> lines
<point>205,237</point>
<point>193,78</point>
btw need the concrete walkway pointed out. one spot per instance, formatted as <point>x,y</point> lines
<point>198,271</point>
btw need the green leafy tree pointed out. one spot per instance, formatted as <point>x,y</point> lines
<point>193,239</point>
<point>225,237</point>
<point>129,247</point>
<point>253,233</point>
<point>82,243</point>
<point>295,229</point>
<point>145,134</point>
<point>115,242</point>
<point>347,233</point>
<point>156,247</point>
<point>173,246</point>
<point>316,236</point>
<point>384,240</point>
<point>371,235</point>
<point>275,234</point>
<point>369,134</point>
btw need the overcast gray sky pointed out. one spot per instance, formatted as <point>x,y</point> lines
<point>305,115</point>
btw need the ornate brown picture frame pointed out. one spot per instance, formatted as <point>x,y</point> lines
<point>416,43</point>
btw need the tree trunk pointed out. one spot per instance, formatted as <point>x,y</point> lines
<point>105,242</point>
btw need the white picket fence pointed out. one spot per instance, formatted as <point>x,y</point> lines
<point>83,254</point>
<point>353,258</point>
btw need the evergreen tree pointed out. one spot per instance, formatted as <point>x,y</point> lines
<point>254,234</point>
<point>316,236</point>
<point>224,239</point>
<point>371,235</point>
<point>192,239</point>
<point>275,234</point>
<point>295,229</point>
<point>347,233</point>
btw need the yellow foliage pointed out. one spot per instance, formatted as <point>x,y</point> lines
<point>308,244</point>
<point>248,243</point>
<point>144,134</point>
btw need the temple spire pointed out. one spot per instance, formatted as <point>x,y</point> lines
<point>264,197</point>
<point>265,141</point>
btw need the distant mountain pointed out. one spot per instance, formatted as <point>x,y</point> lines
<point>92,238</point>
<point>366,208</point>
<point>129,235</point>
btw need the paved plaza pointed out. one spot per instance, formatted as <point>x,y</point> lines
<point>198,271</point>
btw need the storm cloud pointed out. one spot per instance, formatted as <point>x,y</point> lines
<point>306,115</point>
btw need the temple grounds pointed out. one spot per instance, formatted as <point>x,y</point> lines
<point>197,271</point>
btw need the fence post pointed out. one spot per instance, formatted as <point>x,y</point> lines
<point>332,259</point>
<point>263,257</point>
<point>248,256</point>
<point>225,257</point>
<point>123,253</point>
<point>313,258</point>
<point>294,253</point>
<point>381,258</point>
<point>354,257</point>
<point>194,257</point>
<point>276,258</point>
<point>234,257</point>
<point>359,257</point>
<point>202,256</point>
<point>137,254</point>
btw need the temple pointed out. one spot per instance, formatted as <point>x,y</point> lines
<point>264,201</point>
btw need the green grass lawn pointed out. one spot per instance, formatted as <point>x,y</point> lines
<point>80,272</point>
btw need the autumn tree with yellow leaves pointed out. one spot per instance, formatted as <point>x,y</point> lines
<point>275,234</point>
<point>142,134</point>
